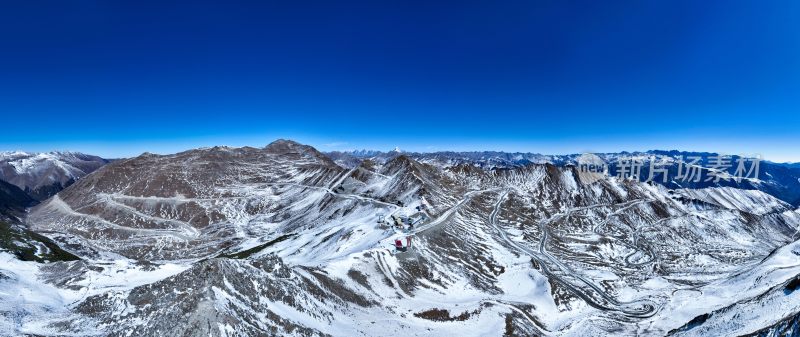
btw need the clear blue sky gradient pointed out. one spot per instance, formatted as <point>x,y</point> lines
<point>117,79</point>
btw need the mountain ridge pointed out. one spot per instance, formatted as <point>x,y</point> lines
<point>282,240</point>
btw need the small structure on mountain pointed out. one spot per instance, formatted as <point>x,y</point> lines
<point>416,218</point>
<point>398,221</point>
<point>402,244</point>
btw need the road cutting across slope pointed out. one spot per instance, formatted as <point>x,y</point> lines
<point>598,298</point>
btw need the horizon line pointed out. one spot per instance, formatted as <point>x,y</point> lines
<point>318,146</point>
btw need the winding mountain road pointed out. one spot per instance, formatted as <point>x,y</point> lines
<point>595,297</point>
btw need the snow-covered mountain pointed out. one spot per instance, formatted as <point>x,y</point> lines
<point>779,180</point>
<point>484,159</point>
<point>282,240</point>
<point>192,204</point>
<point>43,174</point>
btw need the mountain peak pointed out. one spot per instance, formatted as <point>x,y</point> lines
<point>285,146</point>
<point>283,143</point>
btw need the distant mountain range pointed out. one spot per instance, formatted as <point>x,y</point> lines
<point>41,175</point>
<point>781,180</point>
<point>500,159</point>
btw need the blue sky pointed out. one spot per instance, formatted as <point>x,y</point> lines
<point>117,79</point>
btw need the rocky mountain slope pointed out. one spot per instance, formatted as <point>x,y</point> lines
<point>282,240</point>
<point>192,204</point>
